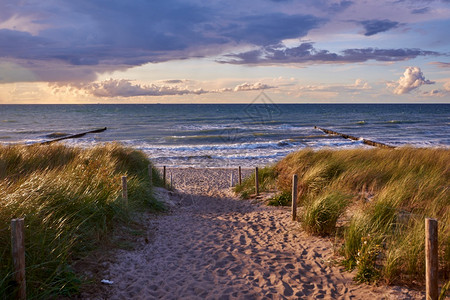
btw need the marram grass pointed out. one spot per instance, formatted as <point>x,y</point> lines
<point>70,199</point>
<point>387,193</point>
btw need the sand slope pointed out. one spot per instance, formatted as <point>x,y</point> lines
<point>214,246</point>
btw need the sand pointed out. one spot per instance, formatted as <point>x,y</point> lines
<point>212,245</point>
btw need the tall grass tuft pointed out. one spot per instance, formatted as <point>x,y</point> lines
<point>321,213</point>
<point>389,194</point>
<point>70,199</point>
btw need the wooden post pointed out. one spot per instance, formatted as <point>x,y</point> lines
<point>150,174</point>
<point>431,258</point>
<point>256,182</point>
<point>240,175</point>
<point>171,180</point>
<point>164,176</point>
<point>18,254</point>
<point>231,179</point>
<point>125,190</point>
<point>294,197</point>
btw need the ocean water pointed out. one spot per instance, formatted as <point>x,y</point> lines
<point>226,135</point>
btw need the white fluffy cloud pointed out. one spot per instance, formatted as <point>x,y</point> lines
<point>413,78</point>
<point>124,88</point>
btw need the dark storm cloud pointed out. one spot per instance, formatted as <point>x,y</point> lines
<point>373,27</point>
<point>306,53</point>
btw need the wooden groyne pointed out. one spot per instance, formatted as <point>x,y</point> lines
<point>73,136</point>
<point>351,137</point>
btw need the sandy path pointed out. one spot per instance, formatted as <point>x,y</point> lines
<point>214,246</point>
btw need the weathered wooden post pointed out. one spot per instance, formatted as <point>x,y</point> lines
<point>171,181</point>
<point>294,197</point>
<point>164,176</point>
<point>240,175</point>
<point>150,174</point>
<point>18,255</point>
<point>431,258</point>
<point>256,182</point>
<point>125,190</point>
<point>231,179</point>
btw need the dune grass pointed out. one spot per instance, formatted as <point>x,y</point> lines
<point>382,197</point>
<point>71,200</point>
<point>266,179</point>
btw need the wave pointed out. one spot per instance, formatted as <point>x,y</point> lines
<point>213,147</point>
<point>400,122</point>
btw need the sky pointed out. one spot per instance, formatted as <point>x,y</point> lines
<point>207,51</point>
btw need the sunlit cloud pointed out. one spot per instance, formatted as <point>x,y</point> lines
<point>126,88</point>
<point>412,79</point>
<point>252,87</point>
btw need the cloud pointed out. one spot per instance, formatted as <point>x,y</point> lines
<point>125,88</point>
<point>447,86</point>
<point>412,79</point>
<point>373,27</point>
<point>75,41</point>
<point>306,53</point>
<point>98,37</point>
<point>440,64</point>
<point>271,28</point>
<point>358,86</point>
<point>174,81</point>
<point>444,92</point>
<point>252,87</point>
<point>419,11</point>
<point>340,6</point>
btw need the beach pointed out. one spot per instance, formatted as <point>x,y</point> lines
<point>213,245</point>
<point>210,243</point>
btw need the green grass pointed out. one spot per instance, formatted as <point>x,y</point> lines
<point>387,194</point>
<point>281,199</point>
<point>321,213</point>
<point>71,200</point>
<point>266,179</point>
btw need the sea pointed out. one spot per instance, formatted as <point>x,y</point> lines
<point>228,135</point>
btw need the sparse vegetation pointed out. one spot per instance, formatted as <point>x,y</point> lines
<point>266,177</point>
<point>71,200</point>
<point>381,197</point>
<point>281,199</point>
